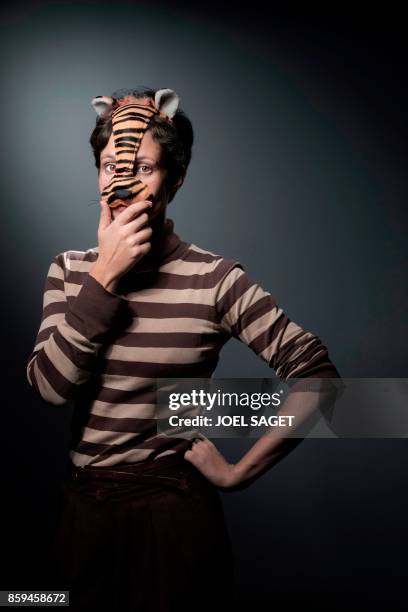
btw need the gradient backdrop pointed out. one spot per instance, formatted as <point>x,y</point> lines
<point>298,172</point>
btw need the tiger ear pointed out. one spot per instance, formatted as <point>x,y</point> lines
<point>167,101</point>
<point>103,104</point>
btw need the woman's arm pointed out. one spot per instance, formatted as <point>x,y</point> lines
<point>306,406</point>
<point>70,335</point>
<point>250,314</point>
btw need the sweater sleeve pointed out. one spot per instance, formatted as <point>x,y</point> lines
<point>70,336</point>
<point>250,314</point>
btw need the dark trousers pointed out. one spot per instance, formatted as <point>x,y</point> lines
<point>148,537</point>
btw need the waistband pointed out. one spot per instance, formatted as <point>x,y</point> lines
<point>119,482</point>
<point>171,464</point>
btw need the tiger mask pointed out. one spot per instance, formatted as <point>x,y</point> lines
<point>130,120</point>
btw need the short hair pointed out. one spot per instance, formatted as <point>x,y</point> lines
<point>176,138</point>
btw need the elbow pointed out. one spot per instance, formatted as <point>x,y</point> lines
<point>44,391</point>
<point>56,402</point>
<point>313,362</point>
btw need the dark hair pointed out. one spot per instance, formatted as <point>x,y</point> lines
<point>176,140</point>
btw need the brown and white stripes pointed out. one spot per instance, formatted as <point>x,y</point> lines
<point>102,351</point>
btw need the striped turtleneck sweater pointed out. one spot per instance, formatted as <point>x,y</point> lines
<point>169,317</point>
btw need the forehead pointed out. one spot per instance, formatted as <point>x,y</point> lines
<point>148,147</point>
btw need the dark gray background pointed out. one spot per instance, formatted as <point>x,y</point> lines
<point>299,172</point>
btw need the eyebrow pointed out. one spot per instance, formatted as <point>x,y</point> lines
<point>143,158</point>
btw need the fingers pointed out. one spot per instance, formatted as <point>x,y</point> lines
<point>134,210</point>
<point>136,224</point>
<point>134,237</point>
<point>106,215</point>
<point>199,438</point>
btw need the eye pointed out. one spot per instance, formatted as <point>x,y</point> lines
<point>109,164</point>
<point>144,166</point>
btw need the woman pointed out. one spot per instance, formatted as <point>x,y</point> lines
<point>142,525</point>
